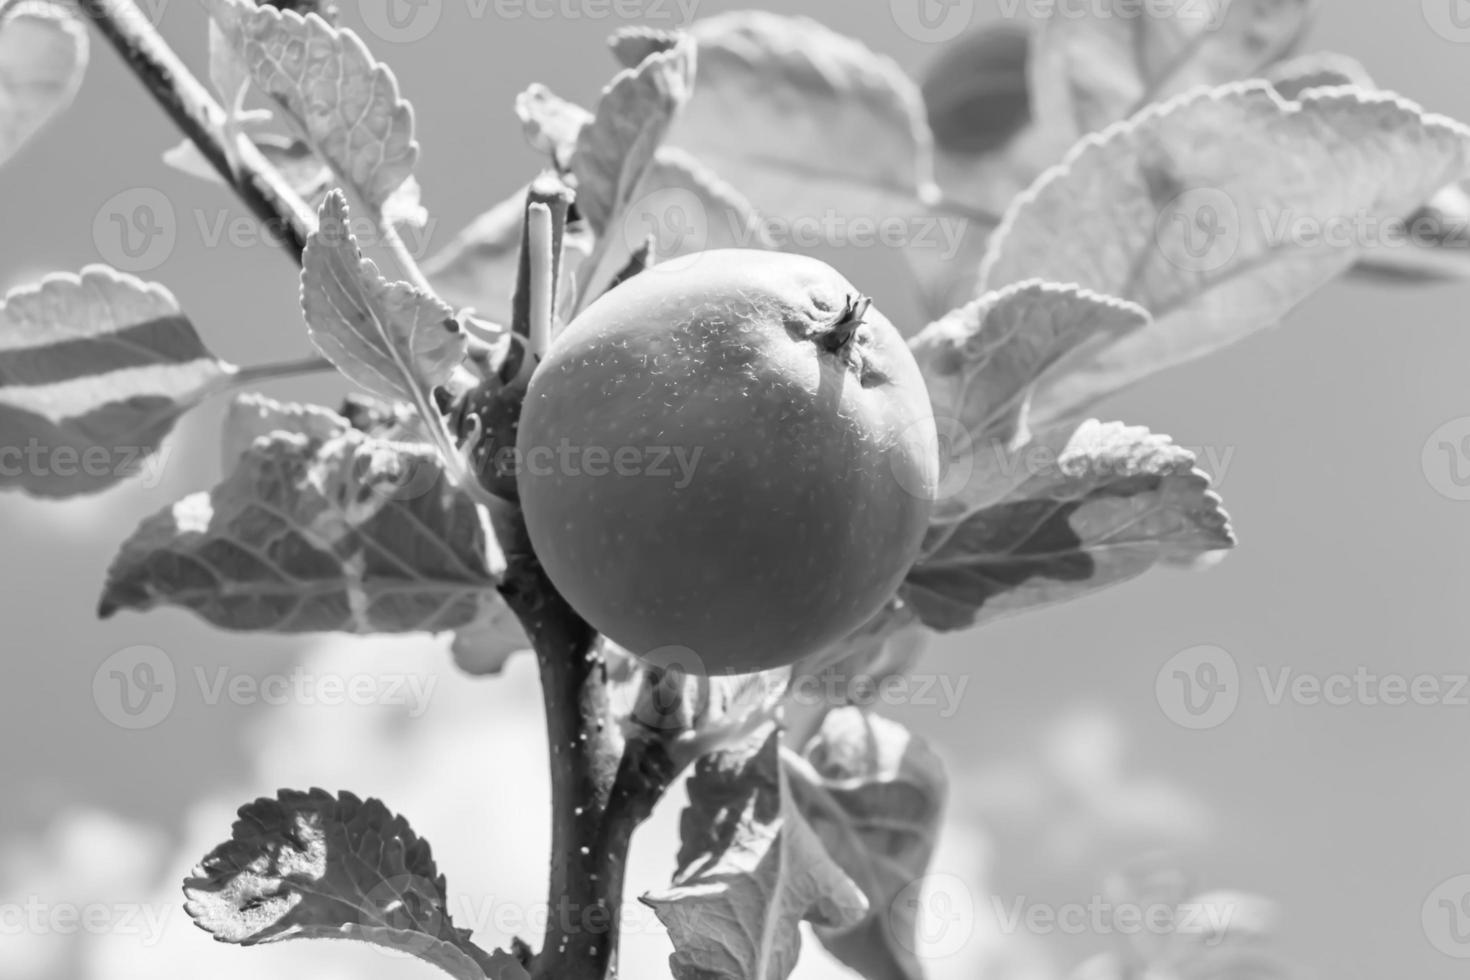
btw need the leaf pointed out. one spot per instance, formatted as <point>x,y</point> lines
<point>980,361</point>
<point>391,338</point>
<point>43,56</point>
<point>1215,935</point>
<point>1074,511</point>
<point>298,163</point>
<point>95,369</point>
<point>349,533</point>
<point>750,870</point>
<point>975,92</point>
<point>886,646</point>
<point>551,123</point>
<point>1188,210</point>
<point>324,79</point>
<point>617,147</point>
<point>477,270</point>
<point>987,150</point>
<point>1435,245</point>
<point>253,416</point>
<point>874,793</point>
<point>317,866</point>
<point>805,121</point>
<point>1294,77</point>
<point>631,46</point>
<point>1110,60</point>
<point>679,202</point>
<point>483,646</point>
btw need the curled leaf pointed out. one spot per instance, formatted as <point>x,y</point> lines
<point>617,147</point>
<point>317,866</point>
<point>95,369</point>
<point>750,871</point>
<point>391,338</point>
<point>551,123</point>
<point>1075,510</point>
<point>981,360</point>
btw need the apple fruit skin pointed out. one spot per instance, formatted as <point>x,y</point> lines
<point>728,462</point>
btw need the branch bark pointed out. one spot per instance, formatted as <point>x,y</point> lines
<point>189,104</point>
<point>602,785</point>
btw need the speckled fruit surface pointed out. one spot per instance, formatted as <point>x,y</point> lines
<point>728,461</point>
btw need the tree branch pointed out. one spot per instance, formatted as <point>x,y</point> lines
<point>189,104</point>
<point>602,785</point>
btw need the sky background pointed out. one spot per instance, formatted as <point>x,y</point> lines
<point>1065,766</point>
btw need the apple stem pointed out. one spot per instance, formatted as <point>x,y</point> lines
<point>543,282</point>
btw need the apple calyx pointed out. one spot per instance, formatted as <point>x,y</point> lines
<point>838,336</point>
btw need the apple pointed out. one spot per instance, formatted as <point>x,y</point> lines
<point>727,462</point>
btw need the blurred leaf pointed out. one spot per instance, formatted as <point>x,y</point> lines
<point>616,148</point>
<point>987,150</point>
<point>1108,62</point>
<point>253,416</point>
<point>317,866</point>
<point>43,56</point>
<point>722,217</point>
<point>1323,69</point>
<point>975,92</point>
<point>1436,243</point>
<point>1076,510</point>
<point>693,713</point>
<point>391,338</point>
<point>296,161</point>
<point>981,360</point>
<point>680,202</point>
<point>551,124</point>
<point>854,669</point>
<point>393,421</point>
<point>483,646</point>
<point>95,369</point>
<point>804,120</point>
<point>874,793</point>
<point>350,533</point>
<point>477,269</point>
<point>1218,935</point>
<point>750,870</point>
<point>1189,211</point>
<point>343,100</point>
<point>632,45</point>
